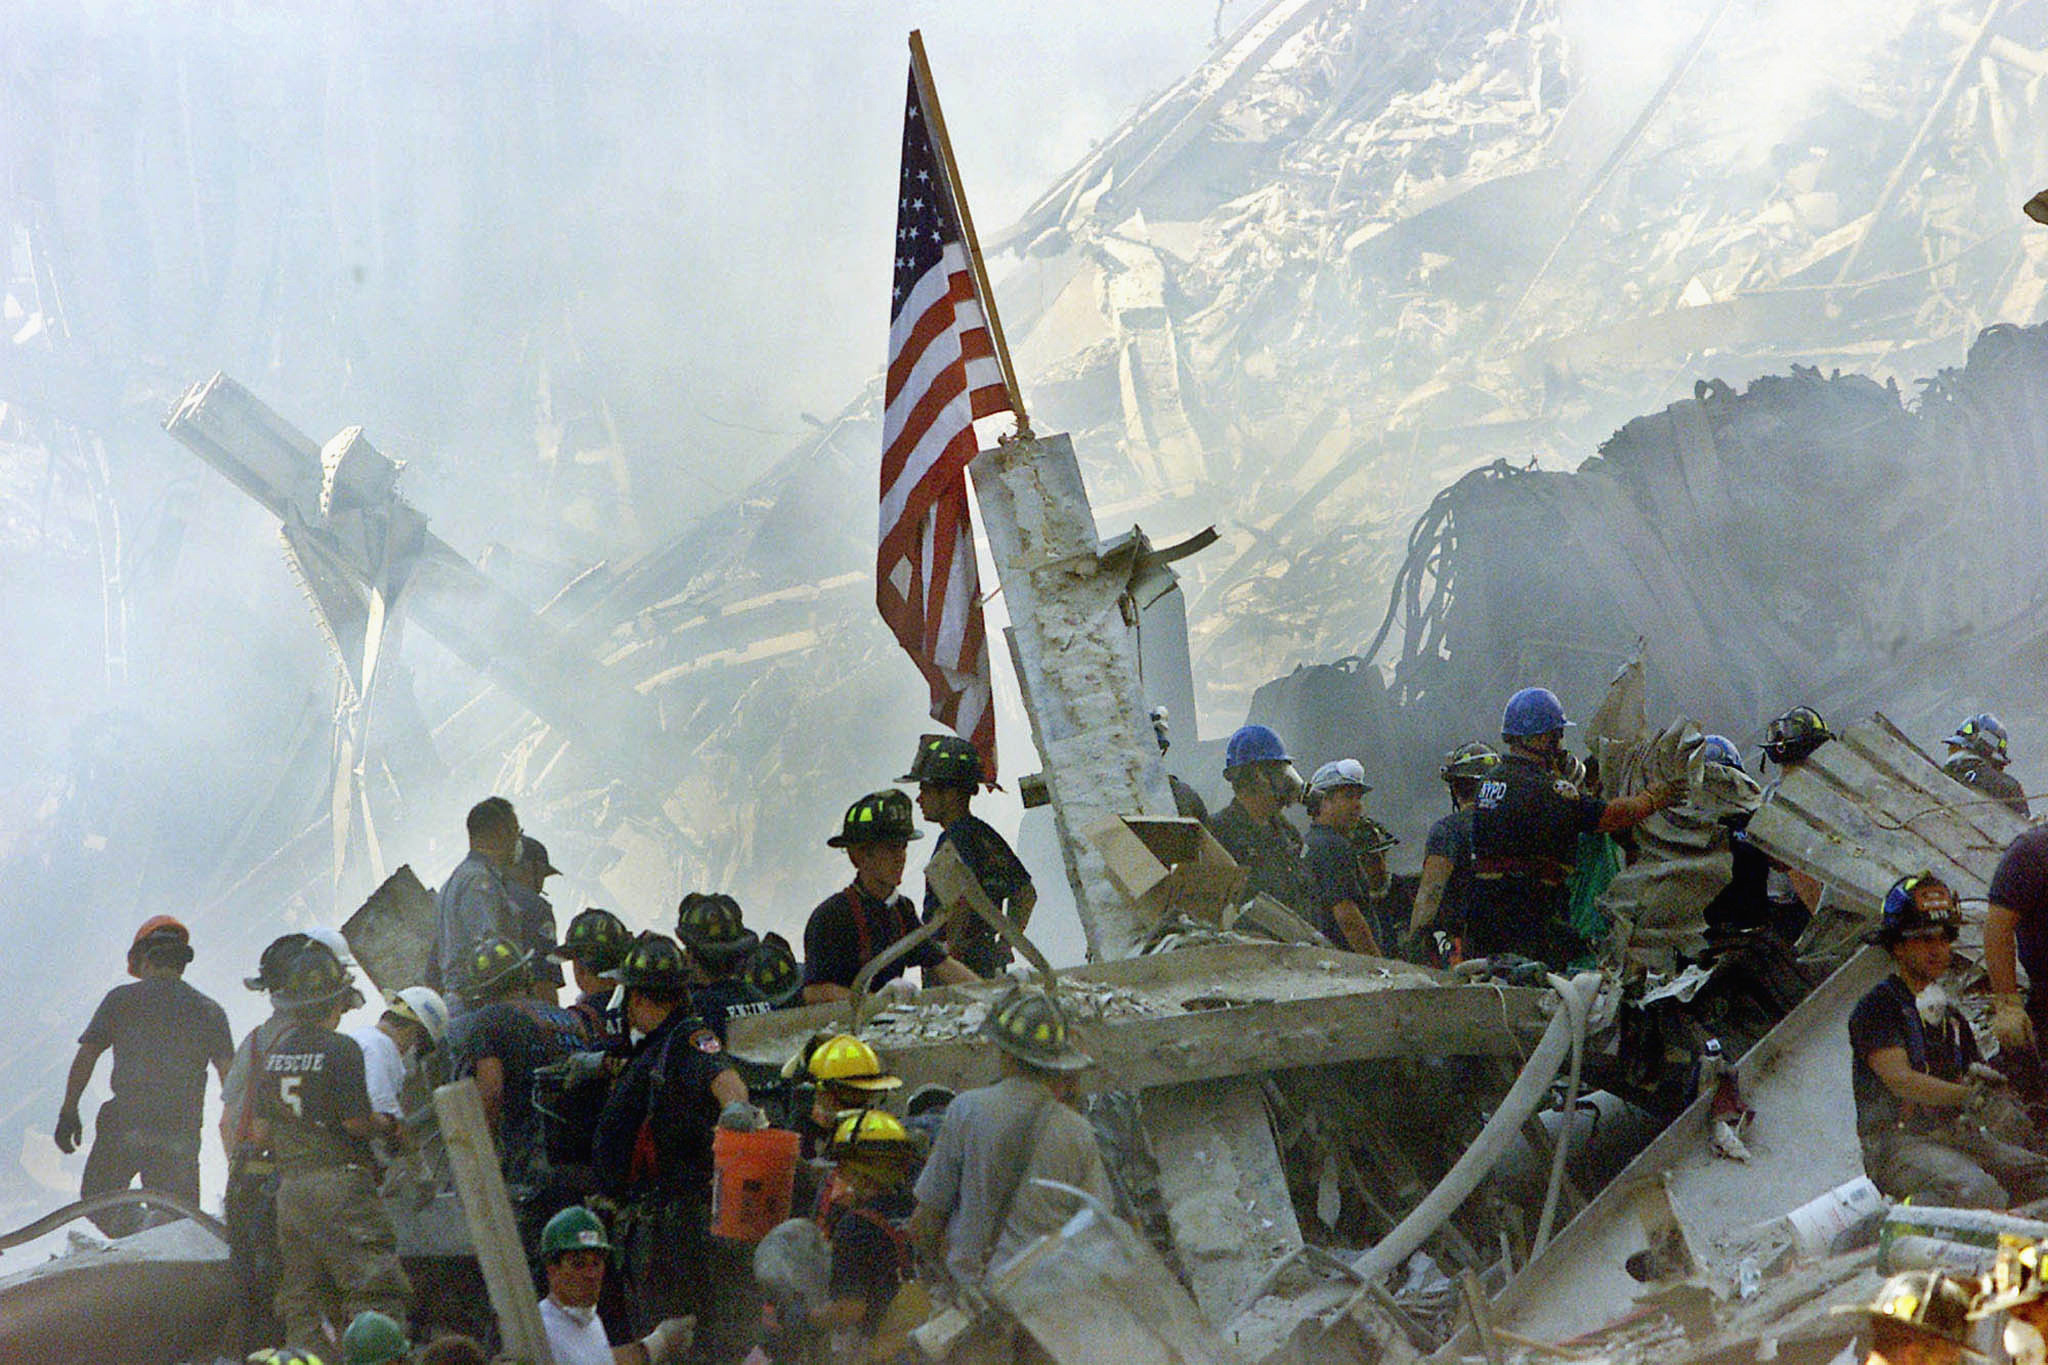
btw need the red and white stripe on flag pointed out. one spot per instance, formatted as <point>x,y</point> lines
<point>942,375</point>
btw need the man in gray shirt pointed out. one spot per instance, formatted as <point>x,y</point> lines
<point>975,1195</point>
<point>474,902</point>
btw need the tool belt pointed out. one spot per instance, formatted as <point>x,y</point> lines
<point>1548,871</point>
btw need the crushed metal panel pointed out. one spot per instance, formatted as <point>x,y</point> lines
<point>1868,807</point>
<point>1802,1144</point>
<point>392,933</point>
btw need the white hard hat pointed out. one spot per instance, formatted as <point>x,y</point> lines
<point>332,940</point>
<point>1344,772</point>
<point>425,1007</point>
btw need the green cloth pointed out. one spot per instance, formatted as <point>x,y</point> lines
<point>1599,860</point>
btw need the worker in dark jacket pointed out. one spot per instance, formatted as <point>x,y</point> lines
<point>1263,783</point>
<point>1526,824</point>
<point>1977,757</point>
<point>163,1034</point>
<point>1443,897</point>
<point>1346,884</point>
<point>653,1156</point>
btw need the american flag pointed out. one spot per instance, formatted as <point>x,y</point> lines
<point>943,374</point>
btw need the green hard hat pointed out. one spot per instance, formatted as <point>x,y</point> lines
<point>712,927</point>
<point>946,761</point>
<point>373,1339</point>
<point>596,938</point>
<point>878,818</point>
<point>573,1229</point>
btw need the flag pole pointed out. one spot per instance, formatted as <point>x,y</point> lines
<point>928,95</point>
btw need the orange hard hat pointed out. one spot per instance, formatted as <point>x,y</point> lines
<point>160,924</point>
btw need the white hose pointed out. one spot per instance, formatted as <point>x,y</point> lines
<point>1577,1007</point>
<point>1523,1099</point>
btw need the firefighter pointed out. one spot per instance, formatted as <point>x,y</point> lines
<point>1263,783</point>
<point>595,942</point>
<point>852,927</point>
<point>337,1249</point>
<point>947,771</point>
<point>249,1208</point>
<point>873,1300</point>
<point>1921,1088</point>
<point>1977,758</point>
<point>715,936</point>
<point>1526,823</point>
<point>1443,897</point>
<point>653,1156</point>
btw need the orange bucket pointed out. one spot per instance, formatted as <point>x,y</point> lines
<point>753,1181</point>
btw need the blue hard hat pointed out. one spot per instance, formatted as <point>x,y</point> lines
<point>1532,711</point>
<point>1981,734</point>
<point>1253,744</point>
<point>1721,749</point>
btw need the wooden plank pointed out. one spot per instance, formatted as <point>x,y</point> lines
<point>474,1158</point>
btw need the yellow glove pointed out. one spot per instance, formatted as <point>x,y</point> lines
<point>2010,1022</point>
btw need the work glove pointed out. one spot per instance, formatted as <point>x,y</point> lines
<point>2010,1022</point>
<point>669,1341</point>
<point>1983,1085</point>
<point>574,1069</point>
<point>69,1130</point>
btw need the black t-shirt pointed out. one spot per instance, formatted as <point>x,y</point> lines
<point>850,928</point>
<point>522,1035</point>
<point>1451,838</point>
<point>164,1034</point>
<point>1001,875</point>
<point>310,1085</point>
<point>2021,885</point>
<point>720,1002</point>
<point>665,1091</point>
<point>1334,875</point>
<point>1270,853</point>
<point>1887,1018</point>
<point>868,1254</point>
<point>1975,770</point>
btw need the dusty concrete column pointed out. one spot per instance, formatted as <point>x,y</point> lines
<point>1076,652</point>
<point>1074,640</point>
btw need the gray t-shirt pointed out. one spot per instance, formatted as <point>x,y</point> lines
<point>974,1164</point>
<point>473,902</point>
<point>237,1113</point>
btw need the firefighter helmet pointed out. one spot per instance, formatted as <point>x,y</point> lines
<point>1029,1024</point>
<point>773,971</point>
<point>653,963</point>
<point>1917,906</point>
<point>314,980</point>
<point>711,926</point>
<point>882,817</point>
<point>596,938</point>
<point>1794,735</point>
<point>496,964</point>
<point>1931,1302</point>
<point>945,761</point>
<point>1472,762</point>
<point>845,1060</point>
<point>1984,735</point>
